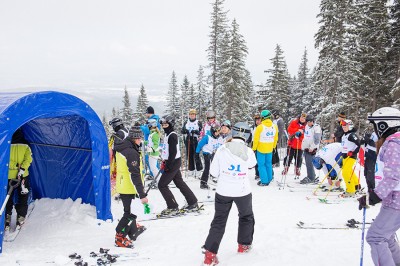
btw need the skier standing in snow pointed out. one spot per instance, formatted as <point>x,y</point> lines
<point>129,185</point>
<point>311,140</point>
<point>231,166</point>
<point>369,141</point>
<point>206,130</point>
<point>152,147</point>
<point>20,160</point>
<point>381,236</point>
<point>171,164</point>
<point>350,149</point>
<point>296,135</point>
<point>265,140</point>
<point>191,128</point>
<point>329,159</point>
<point>146,131</point>
<point>278,120</point>
<point>208,145</point>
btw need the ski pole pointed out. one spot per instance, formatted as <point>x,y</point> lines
<point>10,190</point>
<point>326,176</point>
<point>362,237</point>
<point>286,165</point>
<point>154,181</point>
<point>330,187</point>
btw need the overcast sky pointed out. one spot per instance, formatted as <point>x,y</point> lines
<point>91,44</point>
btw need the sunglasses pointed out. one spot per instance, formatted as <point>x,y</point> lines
<point>343,123</point>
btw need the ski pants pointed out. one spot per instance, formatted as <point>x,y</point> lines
<point>349,175</point>
<point>246,221</point>
<point>296,153</point>
<point>22,203</point>
<point>381,236</point>
<point>264,161</point>
<point>309,165</point>
<point>256,167</point>
<point>191,145</point>
<point>174,174</point>
<point>207,161</point>
<point>369,169</point>
<point>127,224</point>
<point>154,165</point>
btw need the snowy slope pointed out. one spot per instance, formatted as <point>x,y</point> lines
<point>57,228</point>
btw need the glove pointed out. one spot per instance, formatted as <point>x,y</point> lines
<point>313,152</point>
<point>195,132</point>
<point>373,198</point>
<point>307,150</point>
<point>298,134</point>
<point>21,172</point>
<point>362,202</point>
<point>350,154</point>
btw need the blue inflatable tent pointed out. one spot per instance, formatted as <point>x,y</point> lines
<point>69,148</point>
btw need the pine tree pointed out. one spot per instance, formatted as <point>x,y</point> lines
<point>201,94</point>
<point>393,68</point>
<point>114,112</point>
<point>172,105</point>
<point>185,105</point>
<point>127,111</point>
<point>142,104</point>
<point>106,126</point>
<point>236,85</point>
<point>303,86</point>
<point>218,30</point>
<point>276,94</point>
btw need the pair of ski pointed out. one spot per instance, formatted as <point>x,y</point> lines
<point>351,224</point>
<point>102,257</point>
<point>181,213</point>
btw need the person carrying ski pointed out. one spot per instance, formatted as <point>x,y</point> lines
<point>329,159</point>
<point>296,135</point>
<point>191,129</point>
<point>129,185</point>
<point>381,236</point>
<point>206,130</point>
<point>350,149</point>
<point>209,145</point>
<point>231,166</point>
<point>20,161</point>
<point>171,164</point>
<point>152,147</point>
<point>311,140</point>
<point>265,140</point>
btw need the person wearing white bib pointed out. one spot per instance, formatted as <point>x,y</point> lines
<point>381,236</point>
<point>191,130</point>
<point>265,140</point>
<point>230,166</point>
<point>171,164</point>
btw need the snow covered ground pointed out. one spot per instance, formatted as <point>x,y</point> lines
<point>57,228</point>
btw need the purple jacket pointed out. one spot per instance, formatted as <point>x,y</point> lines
<point>390,155</point>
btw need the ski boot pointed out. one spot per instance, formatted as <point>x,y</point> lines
<point>20,220</point>
<point>139,230</point>
<point>204,186</point>
<point>122,241</point>
<point>169,212</point>
<point>285,170</point>
<point>190,208</point>
<point>297,172</point>
<point>210,258</point>
<point>243,248</point>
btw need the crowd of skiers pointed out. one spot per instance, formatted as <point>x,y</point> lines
<point>230,152</point>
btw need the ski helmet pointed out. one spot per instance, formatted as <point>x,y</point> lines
<point>215,128</point>
<point>151,123</point>
<point>210,114</point>
<point>384,120</point>
<point>265,114</point>
<point>226,123</point>
<point>167,119</point>
<point>135,132</point>
<point>115,123</point>
<point>241,130</point>
<point>347,122</point>
<point>192,111</point>
<point>309,118</point>
<point>318,162</point>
